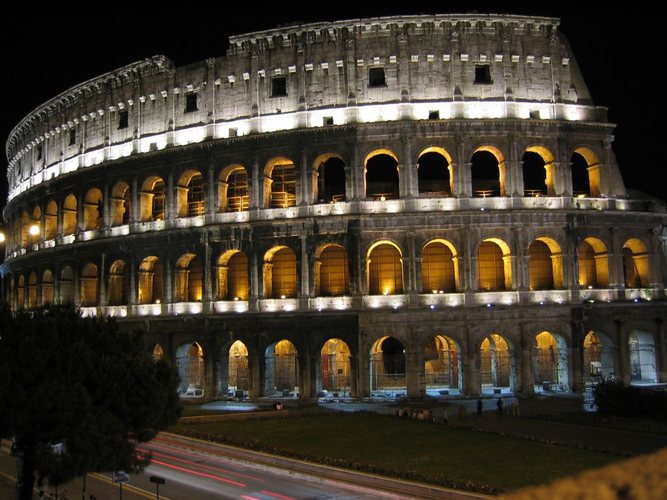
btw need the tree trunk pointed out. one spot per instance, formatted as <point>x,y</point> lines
<point>27,477</point>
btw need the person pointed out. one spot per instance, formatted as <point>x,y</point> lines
<point>515,408</point>
<point>445,417</point>
<point>499,404</point>
<point>479,408</point>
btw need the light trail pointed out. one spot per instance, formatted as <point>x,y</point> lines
<point>200,474</point>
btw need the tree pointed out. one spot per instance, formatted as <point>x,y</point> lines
<point>83,383</point>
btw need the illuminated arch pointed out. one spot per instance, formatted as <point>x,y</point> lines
<point>20,292</point>
<point>152,199</point>
<point>89,290</point>
<point>496,363</point>
<point>26,222</point>
<point>281,368</point>
<point>494,265</point>
<point>190,194</point>
<point>234,189</point>
<point>149,284</point>
<point>331,272</point>
<point>51,220</point>
<point>538,172</point>
<point>118,284</point>
<point>387,368</point>
<point>487,172</point>
<point>599,357</point>
<point>434,172</point>
<point>442,366</point>
<point>238,377</point>
<point>69,215</point>
<point>280,183</point>
<point>585,172</point>
<point>641,350</point>
<point>37,222</point>
<point>545,264</point>
<point>635,263</point>
<point>384,269</point>
<point>440,267</point>
<point>593,263</point>
<point>32,290</point>
<point>48,288</point>
<point>92,209</point>
<point>280,273</point>
<point>157,353</point>
<point>381,175</point>
<point>329,178</point>
<point>120,204</point>
<point>188,282</point>
<point>190,366</point>
<point>66,285</point>
<point>232,274</point>
<point>549,356</point>
<point>335,367</point>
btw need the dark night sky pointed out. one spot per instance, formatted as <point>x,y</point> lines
<point>617,50</point>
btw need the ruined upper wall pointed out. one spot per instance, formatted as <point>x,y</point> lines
<point>311,75</point>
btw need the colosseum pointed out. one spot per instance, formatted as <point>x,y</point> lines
<point>397,206</point>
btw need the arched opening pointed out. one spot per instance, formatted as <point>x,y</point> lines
<point>26,222</point>
<point>384,269</point>
<point>48,288</point>
<point>585,173</point>
<point>434,173</point>
<point>282,369</point>
<point>89,285</point>
<point>233,189</point>
<point>190,366</point>
<point>487,172</point>
<point>439,267</point>
<point>593,264</point>
<point>188,279</point>
<point>331,271</point>
<point>190,194</point>
<point>335,367</point>
<point>545,264</point>
<point>92,209</point>
<point>119,286</point>
<point>635,264</point>
<point>641,349</point>
<point>494,265</point>
<point>387,368</point>
<point>66,285</point>
<point>238,379</point>
<point>330,171</point>
<point>280,183</point>
<point>537,180</point>
<point>149,284</point>
<point>69,215</point>
<point>496,368</point>
<point>549,355</point>
<point>442,366</point>
<point>32,290</point>
<point>51,220</point>
<point>232,271</point>
<point>152,199</point>
<point>280,275</point>
<point>158,353</point>
<point>20,292</point>
<point>599,357</point>
<point>120,204</point>
<point>36,235</point>
<point>381,169</point>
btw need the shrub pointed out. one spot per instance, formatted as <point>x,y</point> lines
<point>612,397</point>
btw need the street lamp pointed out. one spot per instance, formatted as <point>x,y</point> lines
<point>34,230</point>
<point>2,237</point>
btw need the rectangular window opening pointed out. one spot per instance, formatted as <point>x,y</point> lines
<point>328,120</point>
<point>191,102</point>
<point>376,77</point>
<point>279,86</point>
<point>123,119</point>
<point>483,74</point>
<point>40,152</point>
<point>434,115</point>
<point>72,137</point>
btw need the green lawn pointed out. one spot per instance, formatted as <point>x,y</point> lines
<point>406,448</point>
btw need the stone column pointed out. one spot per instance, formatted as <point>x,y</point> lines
<point>170,202</point>
<point>304,279</point>
<point>304,196</point>
<point>414,367</point>
<point>407,171</point>
<point>623,361</point>
<point>576,357</point>
<point>525,362</point>
<point>472,383</point>
<point>513,171</point>
<point>411,285</point>
<point>615,261</point>
<point>661,350</point>
<point>102,299</point>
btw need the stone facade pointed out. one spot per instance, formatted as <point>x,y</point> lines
<point>403,205</point>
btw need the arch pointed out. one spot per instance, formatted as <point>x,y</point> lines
<point>120,204</point>
<point>232,274</point>
<point>635,263</point>
<point>538,172</point>
<point>20,292</point>
<point>440,269</point>
<point>119,286</point>
<point>280,183</point>
<point>48,288</point>
<point>152,199</point>
<point>381,175</point>
<point>237,376</point>
<point>641,350</point>
<point>188,280</point>
<point>545,264</point>
<point>549,356</point>
<point>280,273</point>
<point>69,215</point>
<point>384,268</point>
<point>150,282</point>
<point>329,170</point>
<point>66,285</point>
<point>442,366</point>
<point>331,273</point>
<point>233,189</point>
<point>191,369</point>
<point>26,222</point>
<point>585,167</point>
<point>335,367</point>
<point>494,265</point>
<point>593,262</point>
<point>35,235</point>
<point>89,285</point>
<point>92,209</point>
<point>387,367</point>
<point>434,173</point>
<point>281,369</point>
<point>599,357</point>
<point>190,194</point>
<point>157,353</point>
<point>32,290</point>
<point>496,363</point>
<point>487,172</point>
<point>51,220</point>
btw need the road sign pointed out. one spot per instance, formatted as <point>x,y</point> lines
<point>157,479</point>
<point>120,476</point>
